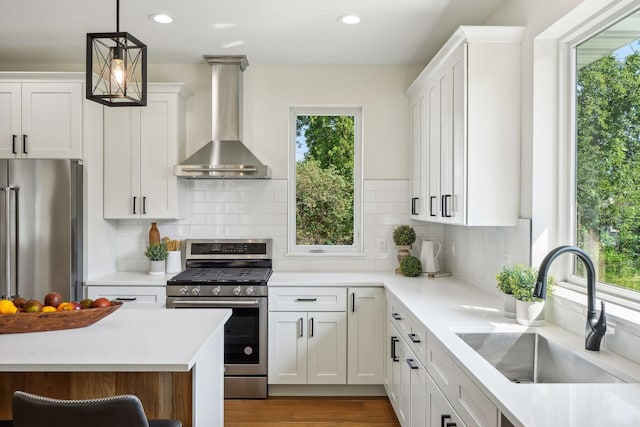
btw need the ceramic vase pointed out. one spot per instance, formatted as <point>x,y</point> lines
<point>530,313</point>
<point>156,268</point>
<point>403,252</point>
<point>174,263</point>
<point>509,306</point>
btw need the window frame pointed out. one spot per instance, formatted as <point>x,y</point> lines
<point>326,250</point>
<point>556,145</point>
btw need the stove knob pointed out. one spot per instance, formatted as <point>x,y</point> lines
<point>183,291</point>
<point>249,291</point>
<point>216,291</point>
<point>195,291</point>
<point>236,291</point>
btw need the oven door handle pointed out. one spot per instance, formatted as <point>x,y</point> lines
<point>217,303</point>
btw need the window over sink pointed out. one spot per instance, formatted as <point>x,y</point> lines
<point>325,180</point>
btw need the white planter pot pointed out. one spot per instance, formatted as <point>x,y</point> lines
<point>156,268</point>
<point>174,263</point>
<point>530,313</point>
<point>509,306</point>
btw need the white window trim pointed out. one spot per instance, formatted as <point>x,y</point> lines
<point>553,203</point>
<point>325,250</point>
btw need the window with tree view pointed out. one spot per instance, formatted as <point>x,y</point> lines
<point>324,203</point>
<point>608,153</point>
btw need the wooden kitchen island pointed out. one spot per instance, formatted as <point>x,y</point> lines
<point>172,359</point>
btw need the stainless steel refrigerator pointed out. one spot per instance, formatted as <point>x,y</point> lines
<point>41,228</point>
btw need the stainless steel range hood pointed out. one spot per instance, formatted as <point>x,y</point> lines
<point>225,156</point>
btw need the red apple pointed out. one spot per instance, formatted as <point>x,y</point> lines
<point>53,299</point>
<point>101,302</point>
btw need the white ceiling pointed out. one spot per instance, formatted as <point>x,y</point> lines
<point>270,31</point>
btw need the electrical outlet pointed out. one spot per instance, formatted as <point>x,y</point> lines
<point>381,244</point>
<point>506,259</point>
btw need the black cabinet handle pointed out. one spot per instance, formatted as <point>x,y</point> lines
<point>144,205</point>
<point>431,199</point>
<point>301,324</point>
<point>450,425</point>
<point>353,302</point>
<point>311,328</point>
<point>24,144</point>
<point>306,299</point>
<point>13,144</point>
<point>414,338</point>
<point>126,299</point>
<point>396,316</point>
<point>443,418</point>
<point>412,364</point>
<point>447,207</point>
<point>414,211</point>
<point>394,355</point>
<point>134,205</point>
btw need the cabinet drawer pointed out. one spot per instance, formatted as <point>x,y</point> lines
<point>440,367</point>
<point>416,337</point>
<point>473,406</point>
<point>399,316</point>
<point>131,296</point>
<point>307,299</point>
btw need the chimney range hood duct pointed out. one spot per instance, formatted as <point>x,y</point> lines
<point>225,156</point>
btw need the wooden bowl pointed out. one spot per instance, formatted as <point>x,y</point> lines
<point>54,321</point>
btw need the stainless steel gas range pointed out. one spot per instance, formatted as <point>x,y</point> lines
<point>231,273</point>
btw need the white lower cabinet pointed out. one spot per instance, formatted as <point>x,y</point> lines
<point>326,335</point>
<point>440,411</point>
<point>131,296</point>
<point>307,348</point>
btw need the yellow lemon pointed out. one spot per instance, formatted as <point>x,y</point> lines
<point>48,309</point>
<point>7,307</point>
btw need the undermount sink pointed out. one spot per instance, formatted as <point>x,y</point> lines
<point>529,357</point>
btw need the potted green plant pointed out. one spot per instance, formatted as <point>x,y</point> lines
<point>403,237</point>
<point>529,309</point>
<point>157,254</point>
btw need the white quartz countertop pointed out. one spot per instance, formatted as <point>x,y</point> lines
<point>127,340</point>
<point>447,305</point>
<point>130,278</point>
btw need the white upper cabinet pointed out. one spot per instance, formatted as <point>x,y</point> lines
<point>141,147</point>
<point>469,150</point>
<point>41,119</point>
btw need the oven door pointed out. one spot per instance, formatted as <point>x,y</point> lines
<point>245,333</point>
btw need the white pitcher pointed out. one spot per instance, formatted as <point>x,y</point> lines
<point>429,256</point>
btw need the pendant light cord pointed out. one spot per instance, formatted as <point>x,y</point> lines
<point>117,16</point>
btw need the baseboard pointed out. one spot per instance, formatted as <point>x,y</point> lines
<point>326,390</point>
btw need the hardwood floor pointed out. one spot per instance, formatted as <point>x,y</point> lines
<point>310,412</point>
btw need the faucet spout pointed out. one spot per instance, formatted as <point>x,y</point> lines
<point>596,327</point>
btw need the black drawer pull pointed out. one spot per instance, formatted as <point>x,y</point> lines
<point>306,299</point>
<point>443,418</point>
<point>126,298</point>
<point>414,338</point>
<point>412,364</point>
<point>396,316</point>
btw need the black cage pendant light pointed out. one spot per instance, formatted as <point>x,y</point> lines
<point>116,68</point>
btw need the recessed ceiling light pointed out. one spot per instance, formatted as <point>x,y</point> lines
<point>161,18</point>
<point>349,19</point>
<point>232,44</point>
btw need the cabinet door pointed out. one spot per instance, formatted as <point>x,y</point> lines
<point>327,348</point>
<point>121,163</point>
<point>440,412</point>
<point>131,296</point>
<point>456,65</point>
<point>158,155</point>
<point>404,385</point>
<point>52,120</point>
<point>10,119</point>
<point>433,146</point>
<point>365,343</point>
<point>287,348</point>
<point>418,378</point>
<point>390,362</point>
<point>418,156</point>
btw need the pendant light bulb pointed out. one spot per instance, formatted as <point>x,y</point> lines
<point>117,67</point>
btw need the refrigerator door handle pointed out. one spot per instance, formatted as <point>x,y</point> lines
<point>7,240</point>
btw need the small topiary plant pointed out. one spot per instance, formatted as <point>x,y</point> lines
<point>411,266</point>
<point>156,252</point>
<point>404,235</point>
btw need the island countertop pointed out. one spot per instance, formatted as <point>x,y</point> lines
<point>127,340</point>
